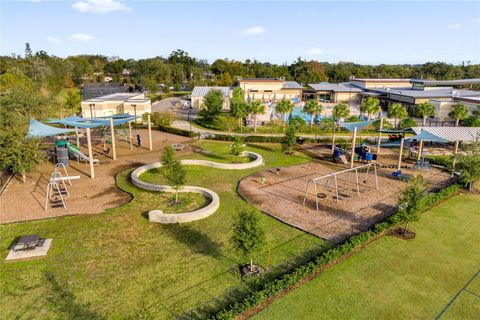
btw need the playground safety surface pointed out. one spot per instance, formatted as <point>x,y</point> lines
<point>281,196</point>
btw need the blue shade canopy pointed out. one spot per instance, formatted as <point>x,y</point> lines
<point>427,136</point>
<point>118,116</point>
<point>38,129</point>
<point>78,124</point>
<point>350,126</point>
<point>93,123</point>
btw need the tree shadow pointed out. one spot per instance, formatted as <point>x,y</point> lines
<point>257,146</point>
<point>62,299</point>
<point>196,241</point>
<point>211,155</point>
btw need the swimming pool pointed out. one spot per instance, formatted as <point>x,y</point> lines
<point>298,111</point>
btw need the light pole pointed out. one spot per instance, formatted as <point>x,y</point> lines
<point>135,111</point>
<point>189,112</point>
<point>92,106</point>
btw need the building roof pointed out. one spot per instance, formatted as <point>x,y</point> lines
<point>125,97</point>
<point>458,82</point>
<point>261,80</point>
<point>335,87</point>
<point>381,80</point>
<point>291,85</point>
<point>451,134</point>
<point>440,93</point>
<point>202,91</point>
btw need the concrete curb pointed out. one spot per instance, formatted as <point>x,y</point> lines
<point>160,217</point>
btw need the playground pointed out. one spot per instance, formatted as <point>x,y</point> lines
<point>345,207</point>
<point>26,201</point>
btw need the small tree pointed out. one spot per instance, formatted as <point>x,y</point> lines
<point>167,157</point>
<point>469,163</point>
<point>425,110</point>
<point>236,148</point>
<point>254,108</point>
<point>238,105</point>
<point>290,137</point>
<point>248,237</point>
<point>313,108</point>
<point>397,111</point>
<point>176,176</point>
<point>458,112</point>
<point>410,202</point>
<point>213,102</point>
<point>407,123</point>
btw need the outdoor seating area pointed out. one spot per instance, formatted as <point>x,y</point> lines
<point>29,246</point>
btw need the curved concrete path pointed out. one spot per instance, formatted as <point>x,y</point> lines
<point>159,216</point>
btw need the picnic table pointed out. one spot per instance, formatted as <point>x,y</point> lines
<point>27,242</point>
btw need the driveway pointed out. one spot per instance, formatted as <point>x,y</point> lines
<point>166,105</point>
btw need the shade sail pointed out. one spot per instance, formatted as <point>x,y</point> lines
<point>38,129</point>
<point>427,136</point>
<point>451,134</point>
<point>350,126</point>
<point>92,123</point>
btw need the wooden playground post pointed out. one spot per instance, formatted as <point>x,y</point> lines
<point>149,124</point>
<point>354,138</point>
<point>380,136</point>
<point>90,154</point>
<point>78,138</point>
<point>455,151</point>
<point>400,154</point>
<point>112,133</point>
<point>130,135</point>
<point>420,150</point>
<point>333,139</point>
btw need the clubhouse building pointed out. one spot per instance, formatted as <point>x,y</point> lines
<point>116,103</point>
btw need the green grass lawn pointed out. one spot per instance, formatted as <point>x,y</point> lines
<point>117,265</point>
<point>393,278</point>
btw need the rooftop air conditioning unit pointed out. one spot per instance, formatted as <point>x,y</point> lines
<point>282,78</point>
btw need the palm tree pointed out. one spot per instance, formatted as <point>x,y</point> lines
<point>284,107</point>
<point>339,111</point>
<point>313,108</point>
<point>370,106</point>
<point>397,111</point>
<point>255,107</point>
<point>425,110</point>
<point>459,112</point>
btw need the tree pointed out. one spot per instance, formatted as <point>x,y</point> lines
<point>425,110</point>
<point>255,107</point>
<point>72,102</point>
<point>213,102</point>
<point>176,176</point>
<point>248,237</point>
<point>469,163</point>
<point>397,111</point>
<point>370,106</point>
<point>290,137</point>
<point>339,111</point>
<point>238,105</point>
<point>236,147</point>
<point>313,108</point>
<point>407,123</point>
<point>459,112</point>
<point>410,202</point>
<point>284,107</point>
<point>167,157</point>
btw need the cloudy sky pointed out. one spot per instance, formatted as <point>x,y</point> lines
<point>362,32</point>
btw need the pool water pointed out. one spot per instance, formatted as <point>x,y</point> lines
<point>298,111</point>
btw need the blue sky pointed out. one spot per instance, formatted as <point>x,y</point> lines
<point>363,32</point>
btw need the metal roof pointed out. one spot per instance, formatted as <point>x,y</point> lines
<point>202,91</point>
<point>118,97</point>
<point>451,134</point>
<point>291,85</point>
<point>335,87</point>
<point>440,93</point>
<point>446,82</point>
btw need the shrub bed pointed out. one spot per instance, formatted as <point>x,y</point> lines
<point>271,288</point>
<point>180,132</point>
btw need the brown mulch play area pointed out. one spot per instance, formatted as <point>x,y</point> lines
<point>281,196</point>
<point>22,202</point>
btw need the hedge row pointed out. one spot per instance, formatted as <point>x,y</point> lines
<point>286,281</point>
<point>180,132</point>
<point>265,139</point>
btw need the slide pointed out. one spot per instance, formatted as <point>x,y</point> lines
<point>73,149</point>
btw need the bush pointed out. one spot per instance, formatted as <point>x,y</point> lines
<point>407,123</point>
<point>275,286</point>
<point>442,160</point>
<point>161,118</point>
<point>176,131</point>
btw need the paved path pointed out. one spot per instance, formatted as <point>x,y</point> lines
<point>165,105</point>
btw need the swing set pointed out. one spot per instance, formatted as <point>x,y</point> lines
<point>368,168</point>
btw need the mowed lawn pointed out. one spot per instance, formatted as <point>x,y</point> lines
<point>118,265</point>
<point>397,279</point>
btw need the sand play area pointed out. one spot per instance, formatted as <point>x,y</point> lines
<point>22,202</point>
<point>282,195</point>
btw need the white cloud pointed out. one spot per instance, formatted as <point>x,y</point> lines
<point>476,19</point>
<point>454,26</point>
<point>253,31</point>
<point>314,51</point>
<point>81,37</point>
<point>53,39</point>
<point>100,6</point>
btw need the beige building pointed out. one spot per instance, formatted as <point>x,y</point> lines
<point>271,89</point>
<point>116,103</point>
<point>199,93</point>
<point>380,83</point>
<point>443,107</point>
<point>326,92</point>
